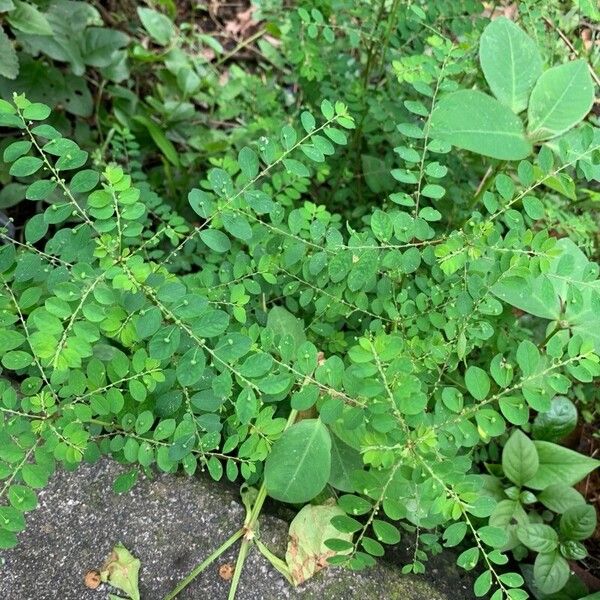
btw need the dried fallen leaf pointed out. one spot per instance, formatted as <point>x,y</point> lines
<point>242,22</point>
<point>92,579</point>
<point>306,552</point>
<point>493,11</point>
<point>121,570</point>
<point>226,571</point>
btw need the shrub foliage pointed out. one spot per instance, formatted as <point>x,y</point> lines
<point>344,305</point>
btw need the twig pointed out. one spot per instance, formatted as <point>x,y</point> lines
<point>572,48</point>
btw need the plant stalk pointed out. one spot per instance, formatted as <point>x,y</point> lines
<point>486,182</point>
<point>250,525</point>
<point>198,569</point>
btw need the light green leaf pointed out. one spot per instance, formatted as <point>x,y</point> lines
<point>578,522</point>
<point>190,367</point>
<point>510,61</point>
<point>550,572</point>
<point>282,322</point>
<point>562,97</point>
<point>538,537</point>
<point>559,465</point>
<point>299,465</point>
<point>344,461</point>
<point>9,63</point>
<point>144,422</point>
<point>160,139</point>
<point>519,458</point>
<point>121,570</point>
<point>159,27</point>
<point>477,382</point>
<point>216,240</point>
<point>546,295</point>
<point>27,18</point>
<point>25,166</point>
<point>248,162</point>
<point>124,482</point>
<point>474,121</point>
<point>559,497</point>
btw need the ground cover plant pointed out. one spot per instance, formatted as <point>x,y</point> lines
<point>344,254</point>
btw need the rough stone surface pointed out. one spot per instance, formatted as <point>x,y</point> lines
<point>171,524</point>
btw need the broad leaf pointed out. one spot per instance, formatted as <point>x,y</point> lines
<point>559,497</point>
<point>282,323</point>
<point>556,423</point>
<point>27,18</point>
<point>547,295</point>
<point>298,467</point>
<point>474,121</point>
<point>519,458</point>
<point>551,572</point>
<point>65,44</point>
<point>562,96</point>
<point>9,64</point>
<point>510,61</point>
<point>344,461</point>
<point>578,522</point>
<point>559,465</point>
<point>158,26</point>
<point>306,551</point>
<point>538,537</point>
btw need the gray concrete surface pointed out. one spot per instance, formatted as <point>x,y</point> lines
<point>171,523</point>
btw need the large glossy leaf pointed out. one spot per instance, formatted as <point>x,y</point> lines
<point>557,422</point>
<point>559,465</point>
<point>474,121</point>
<point>510,61</point>
<point>551,572</point>
<point>344,462</point>
<point>571,276</point>
<point>298,467</point>
<point>561,98</point>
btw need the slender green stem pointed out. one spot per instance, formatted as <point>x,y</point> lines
<point>241,46</point>
<point>239,566</point>
<point>205,563</point>
<point>486,182</point>
<point>250,525</point>
<point>279,564</point>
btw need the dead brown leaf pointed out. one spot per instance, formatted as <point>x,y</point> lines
<point>243,21</point>
<point>493,11</point>
<point>226,571</point>
<point>92,579</point>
